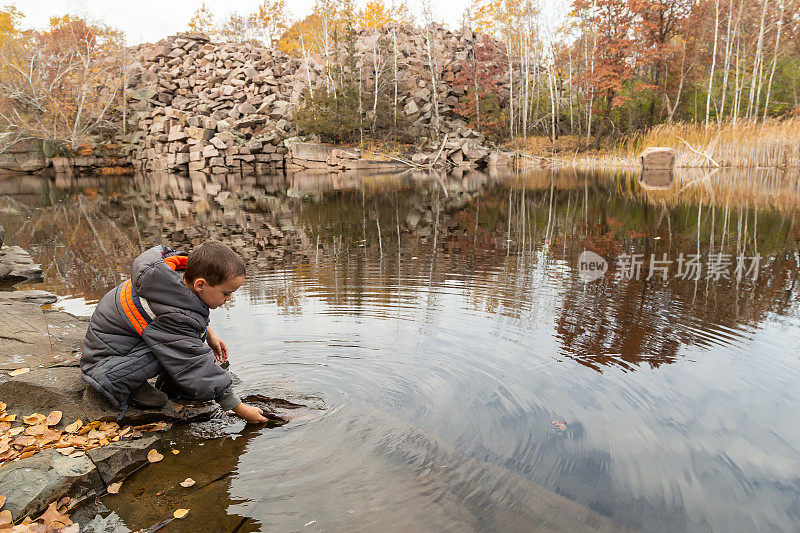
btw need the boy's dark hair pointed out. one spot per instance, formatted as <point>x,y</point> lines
<point>214,262</point>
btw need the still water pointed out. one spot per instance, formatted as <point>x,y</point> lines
<point>455,370</point>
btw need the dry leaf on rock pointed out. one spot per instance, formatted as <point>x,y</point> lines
<point>53,418</point>
<point>175,452</point>
<point>53,519</point>
<point>15,431</point>
<point>19,372</point>
<point>74,427</point>
<point>188,482</point>
<point>5,518</point>
<point>66,451</point>
<point>35,430</point>
<point>180,513</point>
<point>24,440</point>
<point>153,456</point>
<point>113,488</point>
<point>8,418</point>
<point>34,419</point>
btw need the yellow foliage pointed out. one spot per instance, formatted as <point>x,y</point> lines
<point>375,14</point>
<point>202,21</point>
<point>270,20</point>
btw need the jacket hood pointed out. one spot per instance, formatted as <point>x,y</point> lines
<point>157,275</point>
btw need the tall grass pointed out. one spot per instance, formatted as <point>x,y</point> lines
<point>772,144</point>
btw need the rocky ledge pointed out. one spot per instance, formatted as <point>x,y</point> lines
<point>39,373</point>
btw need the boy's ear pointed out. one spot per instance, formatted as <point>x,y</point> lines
<point>199,283</point>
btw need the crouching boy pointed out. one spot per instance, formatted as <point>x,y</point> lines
<point>156,323</point>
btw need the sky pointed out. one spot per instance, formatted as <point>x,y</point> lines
<point>152,20</point>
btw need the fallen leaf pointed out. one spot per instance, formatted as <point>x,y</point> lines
<point>24,440</point>
<point>53,418</point>
<point>177,407</point>
<point>3,406</point>
<point>153,456</point>
<point>560,425</point>
<point>175,452</point>
<point>66,451</point>
<point>8,418</point>
<point>5,518</point>
<point>34,419</point>
<point>79,453</point>
<point>180,513</point>
<point>19,372</point>
<point>114,488</point>
<point>27,454</point>
<point>2,501</point>
<point>188,482</point>
<point>74,427</point>
<point>35,430</point>
<point>15,431</point>
<point>53,519</point>
<point>5,426</point>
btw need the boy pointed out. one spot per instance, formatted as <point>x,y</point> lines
<point>157,322</point>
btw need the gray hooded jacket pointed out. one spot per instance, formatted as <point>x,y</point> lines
<point>149,324</point>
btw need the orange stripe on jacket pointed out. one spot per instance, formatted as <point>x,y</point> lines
<point>137,315</point>
<point>176,262</point>
<point>127,305</point>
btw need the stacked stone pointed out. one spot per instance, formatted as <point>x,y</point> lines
<point>202,107</point>
<point>209,107</point>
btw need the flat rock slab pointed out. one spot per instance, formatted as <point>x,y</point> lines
<point>32,339</point>
<point>29,485</point>
<point>31,297</point>
<point>63,389</point>
<point>16,265</point>
<point>311,151</point>
<point>117,460</point>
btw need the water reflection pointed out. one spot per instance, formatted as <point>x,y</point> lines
<point>441,321</point>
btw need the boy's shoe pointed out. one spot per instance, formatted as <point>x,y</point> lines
<point>148,397</point>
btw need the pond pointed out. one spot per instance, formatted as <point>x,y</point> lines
<point>457,370</point>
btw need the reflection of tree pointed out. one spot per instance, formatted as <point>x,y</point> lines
<point>508,246</point>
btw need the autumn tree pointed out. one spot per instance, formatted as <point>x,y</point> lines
<point>62,84</point>
<point>202,21</point>
<point>269,21</point>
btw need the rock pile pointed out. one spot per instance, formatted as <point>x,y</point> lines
<point>203,107</point>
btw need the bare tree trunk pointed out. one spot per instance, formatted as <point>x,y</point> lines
<point>726,72</point>
<point>511,89</point>
<point>713,59</point>
<point>394,37</point>
<point>757,60</point>
<point>774,60</point>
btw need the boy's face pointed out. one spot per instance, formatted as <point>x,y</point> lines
<point>215,295</point>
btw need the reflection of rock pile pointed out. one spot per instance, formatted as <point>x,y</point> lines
<point>202,106</point>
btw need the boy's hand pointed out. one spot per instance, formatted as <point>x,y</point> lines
<point>250,413</point>
<point>215,343</point>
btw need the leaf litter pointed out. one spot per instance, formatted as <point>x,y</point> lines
<point>38,432</point>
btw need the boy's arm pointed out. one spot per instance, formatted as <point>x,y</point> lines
<point>175,341</point>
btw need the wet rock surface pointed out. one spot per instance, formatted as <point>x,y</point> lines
<point>30,484</point>
<point>16,265</point>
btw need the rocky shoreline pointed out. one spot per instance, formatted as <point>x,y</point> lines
<point>39,373</point>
